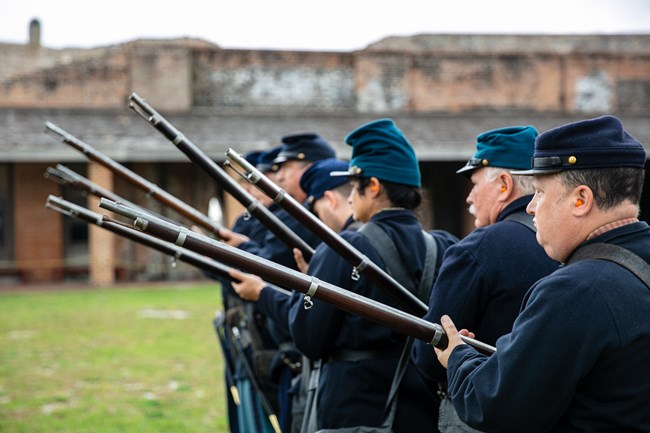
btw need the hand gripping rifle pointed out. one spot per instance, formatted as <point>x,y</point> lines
<point>282,276</point>
<point>152,189</point>
<point>250,203</point>
<point>349,253</point>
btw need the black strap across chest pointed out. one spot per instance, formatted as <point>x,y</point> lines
<point>616,254</point>
<point>523,218</point>
<point>394,262</point>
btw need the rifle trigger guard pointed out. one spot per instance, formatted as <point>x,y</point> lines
<point>313,286</point>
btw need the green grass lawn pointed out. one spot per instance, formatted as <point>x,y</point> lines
<point>111,360</point>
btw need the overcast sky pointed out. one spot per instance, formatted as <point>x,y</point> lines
<point>303,24</point>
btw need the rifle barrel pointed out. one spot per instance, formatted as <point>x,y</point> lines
<point>65,176</point>
<point>252,205</point>
<point>135,179</point>
<point>200,261</point>
<point>282,276</point>
<point>347,251</point>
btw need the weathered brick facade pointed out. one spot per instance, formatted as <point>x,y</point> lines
<point>543,73</point>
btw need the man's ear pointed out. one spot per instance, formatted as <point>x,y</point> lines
<point>507,185</point>
<point>582,198</point>
<point>330,197</point>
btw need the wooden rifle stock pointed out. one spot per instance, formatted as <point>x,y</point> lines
<point>282,276</point>
<point>200,261</point>
<point>159,194</point>
<point>349,253</point>
<point>250,203</point>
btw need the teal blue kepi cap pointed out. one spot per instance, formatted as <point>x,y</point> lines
<point>510,147</point>
<point>380,149</point>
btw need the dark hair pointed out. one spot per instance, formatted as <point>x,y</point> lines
<point>400,195</point>
<point>611,186</point>
<point>344,189</point>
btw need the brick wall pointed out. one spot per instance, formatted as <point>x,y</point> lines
<point>271,80</point>
<point>418,75</point>
<point>162,75</point>
<point>38,231</point>
<point>96,83</point>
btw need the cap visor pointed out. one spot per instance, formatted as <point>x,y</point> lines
<point>465,169</point>
<point>534,171</point>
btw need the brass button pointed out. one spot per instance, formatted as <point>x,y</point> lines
<point>572,160</point>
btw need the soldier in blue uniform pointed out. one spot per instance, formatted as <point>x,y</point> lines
<point>484,277</point>
<point>327,197</point>
<point>361,356</point>
<point>578,354</point>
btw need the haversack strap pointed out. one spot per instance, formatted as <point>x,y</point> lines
<point>616,254</point>
<point>522,217</point>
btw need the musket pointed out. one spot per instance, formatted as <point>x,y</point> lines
<point>343,248</point>
<point>178,253</point>
<point>288,278</point>
<point>197,156</point>
<point>156,192</point>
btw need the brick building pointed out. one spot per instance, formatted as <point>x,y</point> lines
<point>442,90</point>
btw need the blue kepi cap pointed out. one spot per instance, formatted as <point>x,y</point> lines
<point>265,160</point>
<point>304,147</point>
<point>595,143</point>
<point>316,179</point>
<point>380,149</point>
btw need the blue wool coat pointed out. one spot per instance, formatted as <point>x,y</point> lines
<point>482,282</point>
<point>352,393</point>
<point>577,358</point>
